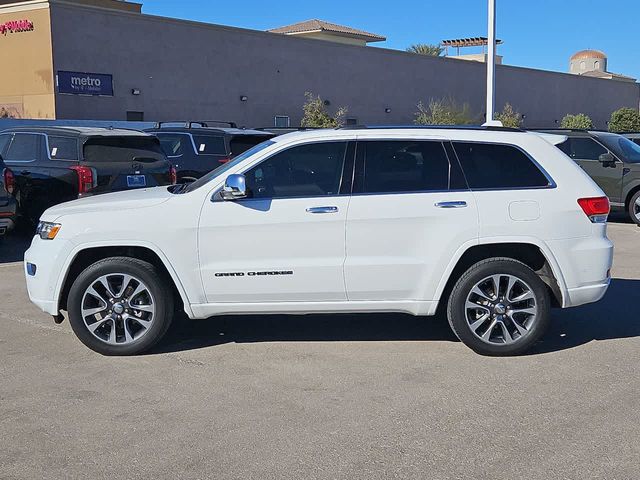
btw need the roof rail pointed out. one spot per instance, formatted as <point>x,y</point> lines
<point>200,123</point>
<point>432,127</point>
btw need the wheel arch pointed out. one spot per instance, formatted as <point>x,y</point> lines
<point>528,251</point>
<point>86,255</point>
<point>632,191</point>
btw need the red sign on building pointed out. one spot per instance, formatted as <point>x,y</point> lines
<point>14,26</point>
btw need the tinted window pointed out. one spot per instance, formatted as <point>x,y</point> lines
<point>636,141</point>
<point>174,144</point>
<point>404,166</point>
<point>498,166</point>
<point>23,148</point>
<point>4,141</point>
<point>122,149</point>
<point>241,144</point>
<point>209,145</point>
<point>312,170</point>
<point>63,148</point>
<point>582,149</point>
<point>631,150</point>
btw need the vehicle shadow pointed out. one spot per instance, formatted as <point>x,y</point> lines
<point>610,318</point>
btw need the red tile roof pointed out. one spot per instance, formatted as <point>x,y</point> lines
<point>322,26</point>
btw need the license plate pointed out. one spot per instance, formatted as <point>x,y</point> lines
<point>136,181</point>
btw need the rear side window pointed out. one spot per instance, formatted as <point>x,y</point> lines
<point>174,144</point>
<point>209,145</point>
<point>24,147</point>
<point>489,166</point>
<point>4,141</point>
<point>242,143</point>
<point>403,166</point>
<point>63,148</point>
<point>312,170</point>
<point>122,149</point>
<point>582,149</point>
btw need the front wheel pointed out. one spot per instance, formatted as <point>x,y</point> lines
<point>499,307</point>
<point>634,208</point>
<point>120,306</point>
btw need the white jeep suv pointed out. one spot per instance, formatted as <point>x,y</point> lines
<point>493,226</point>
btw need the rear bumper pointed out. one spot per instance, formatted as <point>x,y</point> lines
<point>588,294</point>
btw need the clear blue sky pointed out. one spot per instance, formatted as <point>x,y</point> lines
<point>537,33</point>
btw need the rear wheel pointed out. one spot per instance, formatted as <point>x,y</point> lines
<point>634,208</point>
<point>499,307</point>
<point>120,306</point>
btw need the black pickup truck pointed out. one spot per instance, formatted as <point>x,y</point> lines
<point>57,164</point>
<point>7,200</point>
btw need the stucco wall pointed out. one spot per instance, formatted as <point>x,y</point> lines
<point>199,71</point>
<point>26,79</point>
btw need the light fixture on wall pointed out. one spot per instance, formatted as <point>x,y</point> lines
<point>135,91</point>
<point>524,116</point>
<point>327,103</point>
<point>243,98</point>
<point>387,110</point>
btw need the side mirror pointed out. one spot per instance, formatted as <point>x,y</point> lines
<point>235,187</point>
<point>607,160</point>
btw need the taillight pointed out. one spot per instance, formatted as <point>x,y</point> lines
<point>9,181</point>
<point>596,208</point>
<point>224,160</point>
<point>173,175</point>
<point>86,179</point>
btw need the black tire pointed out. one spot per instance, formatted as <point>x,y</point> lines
<point>632,210</point>
<point>457,310</point>
<point>158,287</point>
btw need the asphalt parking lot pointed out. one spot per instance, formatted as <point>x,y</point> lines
<point>341,396</point>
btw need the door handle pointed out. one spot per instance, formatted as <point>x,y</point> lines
<point>322,209</point>
<point>456,204</point>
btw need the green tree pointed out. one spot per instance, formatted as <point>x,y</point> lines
<point>625,120</point>
<point>426,49</point>
<point>577,122</point>
<point>443,112</point>
<point>509,117</point>
<point>316,114</point>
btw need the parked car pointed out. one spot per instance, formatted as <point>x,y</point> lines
<point>196,148</point>
<point>7,199</point>
<point>493,226</point>
<point>612,160</point>
<point>57,164</point>
<point>634,137</point>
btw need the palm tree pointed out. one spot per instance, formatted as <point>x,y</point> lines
<point>426,49</point>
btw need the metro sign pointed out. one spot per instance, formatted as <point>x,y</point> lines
<point>15,26</point>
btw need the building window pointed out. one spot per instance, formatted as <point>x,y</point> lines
<point>135,116</point>
<point>281,121</point>
<point>352,121</point>
<point>583,66</point>
<point>596,65</point>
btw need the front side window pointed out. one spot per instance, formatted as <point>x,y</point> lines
<point>582,148</point>
<point>209,145</point>
<point>312,170</point>
<point>24,147</point>
<point>631,150</point>
<point>491,166</point>
<point>174,144</point>
<point>4,141</point>
<point>404,166</point>
<point>63,148</point>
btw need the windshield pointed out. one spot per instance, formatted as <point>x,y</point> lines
<point>623,147</point>
<point>226,167</point>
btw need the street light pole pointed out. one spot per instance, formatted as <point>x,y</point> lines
<point>491,61</point>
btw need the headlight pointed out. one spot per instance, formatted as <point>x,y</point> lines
<point>48,230</point>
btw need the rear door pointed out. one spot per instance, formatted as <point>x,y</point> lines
<point>4,196</point>
<point>585,151</point>
<point>409,213</point>
<point>125,162</point>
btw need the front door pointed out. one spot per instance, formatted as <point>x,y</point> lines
<point>409,213</point>
<point>286,242</point>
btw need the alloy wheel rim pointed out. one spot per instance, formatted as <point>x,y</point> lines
<point>118,308</point>
<point>501,309</point>
<point>636,209</point>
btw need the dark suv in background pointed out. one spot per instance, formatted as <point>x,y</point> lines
<point>57,164</point>
<point>196,148</point>
<point>7,200</point>
<point>612,160</point>
<point>634,137</point>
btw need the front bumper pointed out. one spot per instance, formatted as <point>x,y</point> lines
<point>44,284</point>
